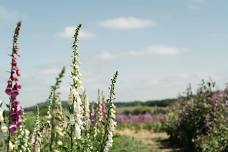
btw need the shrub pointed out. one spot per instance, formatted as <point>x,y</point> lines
<point>198,117</point>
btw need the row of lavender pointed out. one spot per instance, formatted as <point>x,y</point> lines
<point>144,121</point>
<point>140,118</point>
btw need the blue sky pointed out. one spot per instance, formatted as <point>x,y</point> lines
<point>157,46</point>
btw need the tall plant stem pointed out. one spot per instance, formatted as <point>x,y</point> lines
<point>15,39</point>
<point>52,102</point>
<point>110,107</point>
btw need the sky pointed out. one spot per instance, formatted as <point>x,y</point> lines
<point>158,46</point>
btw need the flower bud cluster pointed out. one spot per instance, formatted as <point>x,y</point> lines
<point>14,86</point>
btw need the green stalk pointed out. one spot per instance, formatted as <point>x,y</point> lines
<point>52,101</point>
<point>109,105</point>
<point>52,122</point>
<point>74,73</point>
<point>37,122</point>
<point>9,134</point>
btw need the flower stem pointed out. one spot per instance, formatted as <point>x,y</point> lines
<point>110,108</point>
<point>52,103</point>
<point>15,39</point>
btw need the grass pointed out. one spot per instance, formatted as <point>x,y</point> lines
<point>130,144</point>
<point>145,141</point>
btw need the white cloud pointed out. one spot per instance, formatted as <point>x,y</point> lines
<point>69,33</point>
<point>198,1</point>
<point>49,71</point>
<point>105,56</point>
<point>171,85</point>
<point>161,50</point>
<point>196,4</point>
<point>149,51</point>
<point>128,23</point>
<point>194,7</point>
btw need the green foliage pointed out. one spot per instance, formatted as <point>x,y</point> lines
<point>170,122</point>
<point>215,141</point>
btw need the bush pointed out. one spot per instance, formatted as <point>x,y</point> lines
<point>198,117</point>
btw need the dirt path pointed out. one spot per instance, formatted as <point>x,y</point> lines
<point>149,138</point>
